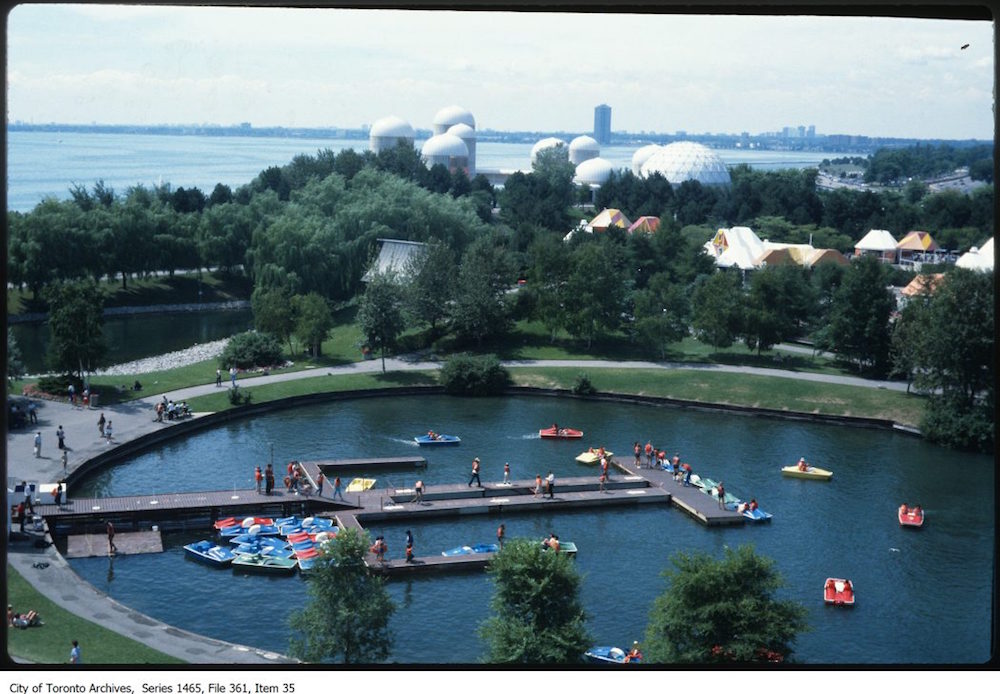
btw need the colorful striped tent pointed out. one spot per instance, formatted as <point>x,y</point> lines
<point>609,218</point>
<point>645,223</point>
<point>916,242</point>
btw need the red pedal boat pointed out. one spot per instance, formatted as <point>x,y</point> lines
<point>560,433</point>
<point>838,591</point>
<point>911,516</point>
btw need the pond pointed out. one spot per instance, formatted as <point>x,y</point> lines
<point>924,596</point>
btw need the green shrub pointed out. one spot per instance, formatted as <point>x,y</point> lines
<point>583,386</point>
<point>238,397</point>
<point>59,385</point>
<point>465,374</point>
<point>251,349</point>
<point>953,423</point>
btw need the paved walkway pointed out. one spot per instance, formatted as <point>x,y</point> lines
<point>136,418</point>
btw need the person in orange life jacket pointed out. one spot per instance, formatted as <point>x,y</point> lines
<point>409,546</point>
<point>649,454</point>
<point>501,534</point>
<point>661,458</point>
<point>337,490</point>
<point>258,477</point>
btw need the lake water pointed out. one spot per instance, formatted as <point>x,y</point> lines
<point>924,597</point>
<point>43,164</point>
<point>138,336</point>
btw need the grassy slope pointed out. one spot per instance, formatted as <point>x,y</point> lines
<point>51,642</point>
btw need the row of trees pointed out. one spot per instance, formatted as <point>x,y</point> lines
<point>311,225</point>
<point>714,610</point>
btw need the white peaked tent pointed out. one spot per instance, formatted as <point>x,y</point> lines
<point>878,242</point>
<point>978,258</point>
<point>736,247</point>
<point>394,256</point>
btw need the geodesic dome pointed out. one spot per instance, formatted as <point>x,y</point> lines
<point>687,161</point>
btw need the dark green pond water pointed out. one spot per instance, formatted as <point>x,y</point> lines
<point>924,596</point>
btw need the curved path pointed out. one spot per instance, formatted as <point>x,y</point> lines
<point>136,418</point>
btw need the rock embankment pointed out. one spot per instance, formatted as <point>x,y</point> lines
<point>170,360</point>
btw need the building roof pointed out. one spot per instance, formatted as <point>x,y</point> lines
<point>825,256</point>
<point>391,126</point>
<point>773,257</point>
<point>646,223</point>
<point>876,240</point>
<point>394,256</point>
<point>978,258</point>
<point>594,171</point>
<point>607,219</point>
<point>922,284</point>
<point>917,241</point>
<point>445,145</point>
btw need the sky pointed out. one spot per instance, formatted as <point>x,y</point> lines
<point>543,72</point>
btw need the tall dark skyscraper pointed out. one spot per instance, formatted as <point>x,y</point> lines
<point>602,124</point>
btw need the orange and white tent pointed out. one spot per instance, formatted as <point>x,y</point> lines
<point>646,223</point>
<point>917,241</point>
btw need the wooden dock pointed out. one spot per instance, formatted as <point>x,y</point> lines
<point>691,499</point>
<point>359,465</point>
<point>96,545</point>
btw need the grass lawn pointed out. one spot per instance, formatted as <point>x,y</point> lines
<point>51,642</point>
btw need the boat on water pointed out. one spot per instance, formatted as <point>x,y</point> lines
<point>210,553</point>
<point>711,487</point>
<point>838,591</point>
<point>360,484</point>
<point>810,473</point>
<point>431,439</point>
<point>592,456</point>
<point>233,521</point>
<point>560,433</point>
<point>263,564</point>
<point>263,540</point>
<point>910,516</point>
<point>481,548</point>
<point>565,547</point>
<point>610,654</point>
<point>245,548</point>
<point>756,515</point>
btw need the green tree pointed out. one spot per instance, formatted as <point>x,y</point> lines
<point>717,309</point>
<point>595,294</point>
<point>274,313</point>
<point>347,616</point>
<point>380,315</point>
<point>537,616</point>
<point>313,320</point>
<point>661,314</point>
<point>722,610</point>
<point>479,310</point>
<point>15,367</point>
<point>432,283</point>
<point>859,329</point>
<point>76,319</point>
<point>779,302</point>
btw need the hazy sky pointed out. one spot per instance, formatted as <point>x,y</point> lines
<point>514,71</point>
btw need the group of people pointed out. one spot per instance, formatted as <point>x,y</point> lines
<point>549,486</point>
<point>380,547</point>
<point>552,542</point>
<point>171,409</point>
<point>22,620</point>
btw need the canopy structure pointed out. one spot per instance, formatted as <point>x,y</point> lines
<point>919,241</point>
<point>826,256</point>
<point>980,259</point>
<point>735,247</point>
<point>394,256</point>
<point>646,223</point>
<point>922,284</point>
<point>609,218</point>
<point>773,257</point>
<point>877,242</point>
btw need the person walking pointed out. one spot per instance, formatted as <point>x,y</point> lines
<point>475,473</point>
<point>61,437</point>
<point>74,653</point>
<point>27,497</point>
<point>550,484</point>
<point>409,547</point>
<point>319,484</point>
<point>65,460</point>
<point>111,538</point>
<point>258,477</point>
<point>232,375</point>
<point>72,395</point>
<point>338,490</point>
<point>501,534</point>
<point>268,479</point>
<point>218,378</point>
<point>38,444</point>
<point>108,432</point>
<point>506,473</point>
<point>100,424</point>
<point>538,485</point>
<point>32,412</point>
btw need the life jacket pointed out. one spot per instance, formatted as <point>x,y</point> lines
<point>649,448</point>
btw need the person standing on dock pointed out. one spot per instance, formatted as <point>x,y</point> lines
<point>721,491</point>
<point>649,454</point>
<point>268,479</point>
<point>475,473</point>
<point>111,538</point>
<point>108,433</point>
<point>604,469</point>
<point>637,449</point>
<point>538,485</point>
<point>501,534</point>
<point>258,477</point>
<point>100,424</point>
<point>338,488</point>
<point>409,546</point>
<point>550,484</point>
<point>319,484</point>
<point>506,473</point>
<point>603,479</point>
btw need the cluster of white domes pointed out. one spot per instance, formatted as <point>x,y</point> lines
<point>453,143</point>
<point>685,161</point>
<point>593,172</point>
<point>640,156</point>
<point>583,148</point>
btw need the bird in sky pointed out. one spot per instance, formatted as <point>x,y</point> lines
<point>965,46</point>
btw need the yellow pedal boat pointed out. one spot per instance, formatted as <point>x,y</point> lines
<point>360,484</point>
<point>593,456</point>
<point>810,473</point>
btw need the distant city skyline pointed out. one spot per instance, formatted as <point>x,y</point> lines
<point>147,65</point>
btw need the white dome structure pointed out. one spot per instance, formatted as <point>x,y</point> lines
<point>448,150</point>
<point>593,172</point>
<point>548,143</point>
<point>388,132</point>
<point>583,148</point>
<point>449,116</point>
<point>687,161</point>
<point>467,134</point>
<point>640,156</point>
